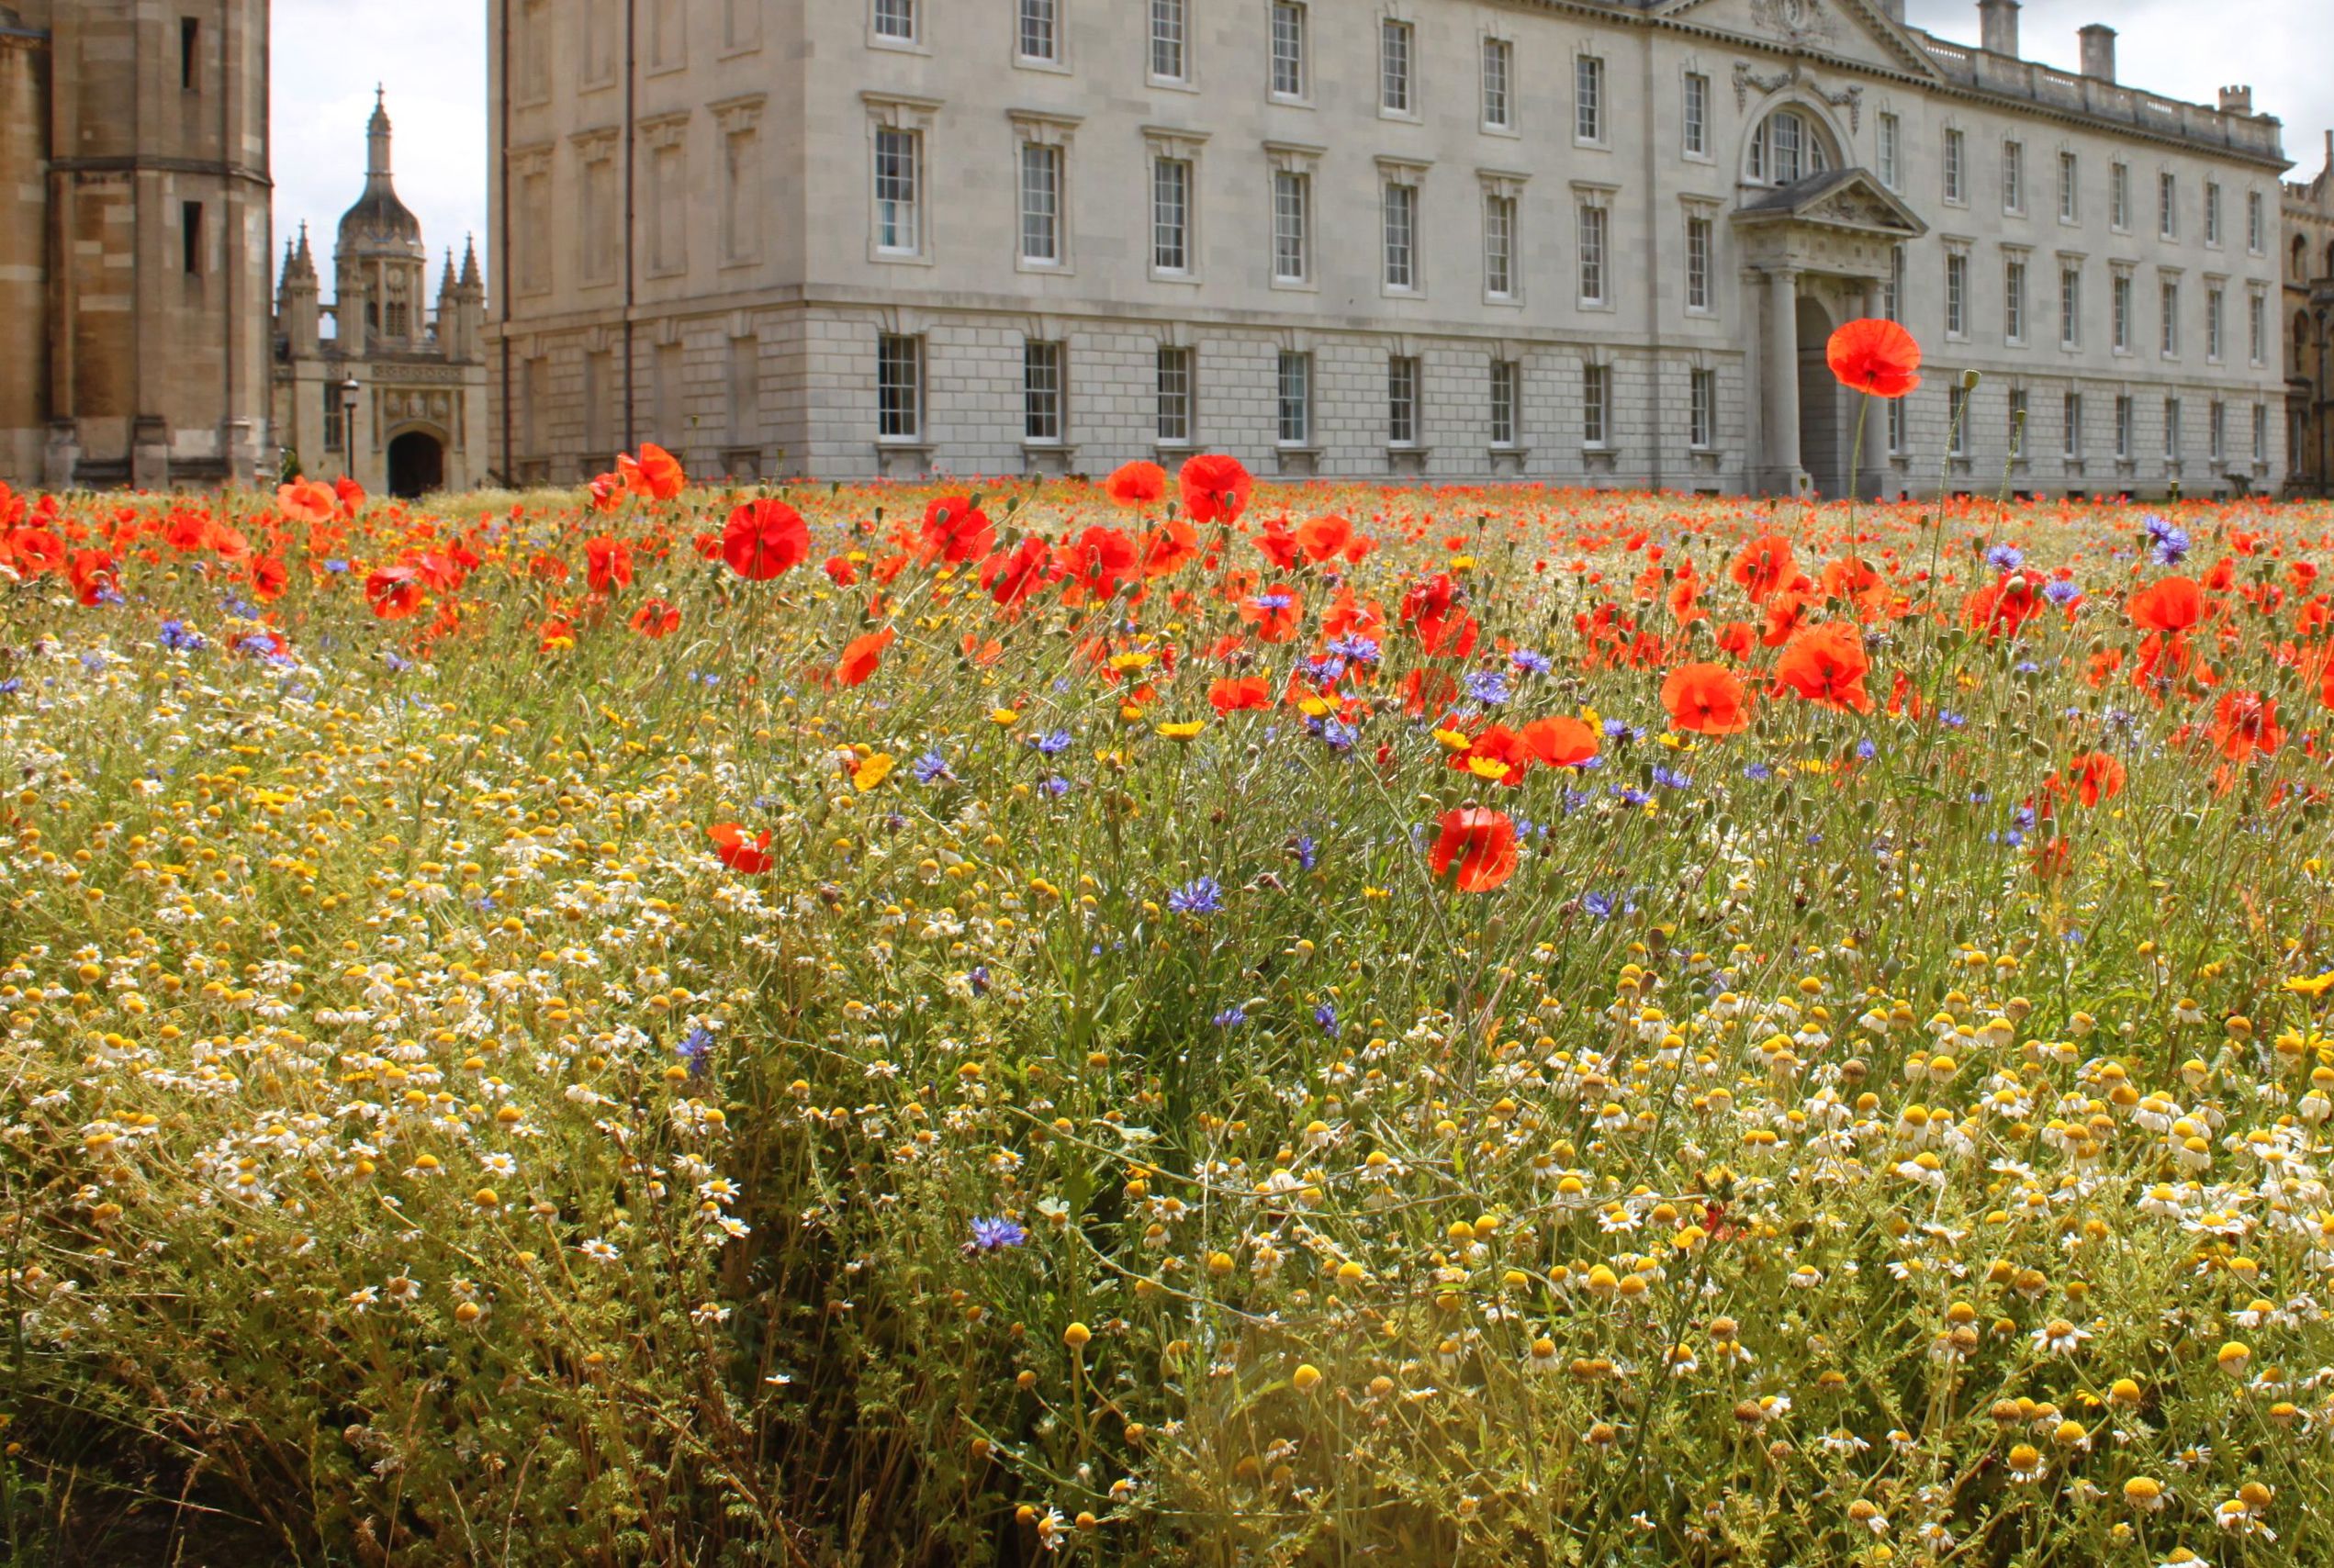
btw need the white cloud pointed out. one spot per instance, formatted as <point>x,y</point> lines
<point>431,57</point>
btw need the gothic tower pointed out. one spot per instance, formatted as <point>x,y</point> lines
<point>140,134</point>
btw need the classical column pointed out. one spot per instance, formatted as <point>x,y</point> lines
<point>1782,380</point>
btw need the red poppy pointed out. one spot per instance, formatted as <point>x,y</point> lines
<point>1875,356</point>
<point>1099,560</point>
<point>2326,691</point>
<point>657,475</point>
<point>1136,484</point>
<point>2245,726</point>
<point>764,538</point>
<point>1229,694</point>
<point>1325,538</point>
<point>394,592</point>
<point>740,853</point>
<point>1011,579</point>
<point>1482,841</point>
<point>269,579</point>
<point>1559,742</point>
<point>2170,605</point>
<point>655,620</point>
<point>2002,608</point>
<point>1707,699</point>
<point>608,564</point>
<point>94,575</point>
<point>956,531</point>
<point>1827,664</point>
<point>305,500</point>
<point>1764,566</point>
<point>862,655</point>
<point>1215,488</point>
<point>350,494</point>
<point>2091,777</point>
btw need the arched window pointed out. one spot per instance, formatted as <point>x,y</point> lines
<point>1789,146</point>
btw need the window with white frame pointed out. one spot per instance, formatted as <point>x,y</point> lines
<point>1042,392</point>
<point>2014,300</point>
<point>2172,430</point>
<point>1892,286</point>
<point>2070,307</point>
<point>1507,395</point>
<point>1397,93</point>
<point>2119,292</point>
<point>1170,40</point>
<point>1499,83</point>
<point>2256,327</point>
<point>1596,404</point>
<point>2256,231</point>
<point>895,21</point>
<point>1041,185</point>
<point>1956,146</point>
<point>898,182</point>
<point>2013,176</point>
<point>1702,417</point>
<point>2260,432</point>
<point>1292,226</point>
<point>2214,311</point>
<point>1895,436</point>
<point>899,388</point>
<point>1401,199</point>
<point>1587,98</point>
<point>1696,118</point>
<point>2212,212</point>
<point>1787,147</point>
<point>1892,139</point>
<point>1499,244</point>
<point>2119,195</point>
<point>1698,230</point>
<point>1040,32</point>
<point>2169,296</point>
<point>1288,49</point>
<point>1295,399</point>
<point>1171,192</point>
<point>2016,431</point>
<point>2217,429</point>
<point>1175,396</point>
<point>2070,425</point>
<point>1956,411</point>
<point>2069,187</point>
<point>2167,205</point>
<point>1594,222</point>
<point>1401,400</point>
<point>2123,422</point>
<point>1957,295</point>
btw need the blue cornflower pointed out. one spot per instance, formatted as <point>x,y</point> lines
<point>932,767</point>
<point>1325,670</point>
<point>2005,558</point>
<point>177,636</point>
<point>1231,1017</point>
<point>1203,896</point>
<point>1622,729</point>
<point>1951,720</point>
<point>1488,686</point>
<point>14,684</point>
<point>94,661</point>
<point>1277,599</point>
<point>1531,661</point>
<point>995,1235</point>
<point>1306,850</point>
<point>2169,545</point>
<point>978,979</point>
<point>1601,905</point>
<point>1326,1016</point>
<point>1339,734</point>
<point>1670,778</point>
<point>1056,786</point>
<point>2062,591</point>
<point>1758,772</point>
<point>696,1050</point>
<point>1052,743</point>
<point>336,566</point>
<point>1865,751</point>
<point>1630,795</point>
<point>1360,650</point>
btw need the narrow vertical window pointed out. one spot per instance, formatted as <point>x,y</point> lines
<point>2170,299</point>
<point>1596,404</point>
<point>190,237</point>
<point>2123,429</point>
<point>2016,431</point>
<point>1507,377</point>
<point>1042,392</point>
<point>1588,98</point>
<point>2256,328</point>
<point>2070,308</point>
<point>1171,215</point>
<point>1401,401</point>
<point>1395,94</point>
<point>1040,204</point>
<point>1500,246</point>
<point>1170,45</point>
<point>2119,195</point>
<point>2013,176</point>
<point>1702,417</point>
<point>899,388</point>
<point>1896,425</point>
<point>2260,432</point>
<point>1288,49</point>
<point>1592,255</point>
<point>2121,291</point>
<point>1292,201</point>
<point>2213,313</point>
<point>1401,235</point>
<point>1295,399</point>
<point>1498,69</point>
<point>190,53</point>
<point>2217,430</point>
<point>898,229</point>
<point>1174,397</point>
<point>2069,187</point>
<point>1893,291</point>
<point>1892,136</point>
<point>1698,236</point>
<point>1957,296</point>
<point>1696,115</point>
<point>2070,426</point>
<point>1957,409</point>
<point>2013,302</point>
<point>2253,229</point>
<point>1040,30</point>
<point>2172,430</point>
<point>2167,205</point>
<point>2212,212</point>
<point>1954,144</point>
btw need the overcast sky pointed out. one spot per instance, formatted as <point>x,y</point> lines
<point>431,55</point>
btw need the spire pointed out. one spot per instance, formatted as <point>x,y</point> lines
<point>299,266</point>
<point>307,258</point>
<point>472,283</point>
<point>445,282</point>
<point>377,140</point>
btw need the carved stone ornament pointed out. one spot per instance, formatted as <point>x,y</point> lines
<point>1799,21</point>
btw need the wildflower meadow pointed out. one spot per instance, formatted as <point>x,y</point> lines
<point>1169,1021</point>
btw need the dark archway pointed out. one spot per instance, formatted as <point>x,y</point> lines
<point>417,465</point>
<point>1823,445</point>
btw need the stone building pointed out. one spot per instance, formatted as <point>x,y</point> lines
<point>1597,242</point>
<point>134,242</point>
<point>394,395</point>
<point>2309,330</point>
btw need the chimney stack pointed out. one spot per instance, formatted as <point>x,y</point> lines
<point>2237,101</point>
<point>2099,52</point>
<point>1998,26</point>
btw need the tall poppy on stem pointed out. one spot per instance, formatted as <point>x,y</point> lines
<point>1215,488</point>
<point>1482,843</point>
<point>1706,699</point>
<point>1876,357</point>
<point>764,538</point>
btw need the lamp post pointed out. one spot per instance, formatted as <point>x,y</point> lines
<point>349,392</point>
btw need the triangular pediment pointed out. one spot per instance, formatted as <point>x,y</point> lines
<point>1856,31</point>
<point>1838,198</point>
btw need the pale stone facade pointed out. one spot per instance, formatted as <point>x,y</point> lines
<point>396,396</point>
<point>2308,329</point>
<point>1595,242</point>
<point>134,242</point>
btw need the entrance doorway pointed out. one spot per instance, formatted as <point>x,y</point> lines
<point>1823,435</point>
<point>417,465</point>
